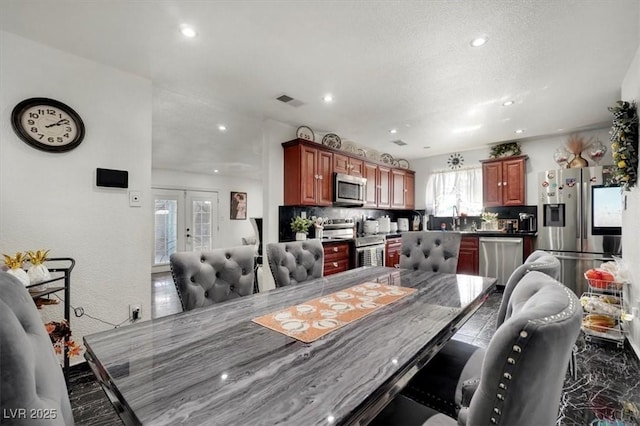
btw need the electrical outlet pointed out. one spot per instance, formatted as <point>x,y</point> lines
<point>135,312</point>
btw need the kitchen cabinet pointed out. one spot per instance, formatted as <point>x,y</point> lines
<point>384,187</point>
<point>371,189</point>
<point>336,257</point>
<point>348,165</point>
<point>504,181</point>
<point>308,176</point>
<point>468,256</point>
<point>397,189</point>
<point>393,248</point>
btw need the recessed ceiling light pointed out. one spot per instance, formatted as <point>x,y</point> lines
<point>426,147</point>
<point>328,97</point>
<point>393,131</point>
<point>222,127</point>
<point>215,170</point>
<point>479,41</point>
<point>188,31</point>
<point>507,103</point>
<point>520,131</point>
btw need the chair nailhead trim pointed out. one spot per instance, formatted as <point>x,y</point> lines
<point>523,334</point>
<point>517,348</point>
<point>493,420</point>
<point>497,411</point>
<point>502,386</point>
<point>511,361</point>
<point>500,397</point>
<point>507,376</point>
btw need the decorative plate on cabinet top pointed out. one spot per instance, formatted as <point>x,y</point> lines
<point>403,164</point>
<point>332,140</point>
<point>305,132</point>
<point>373,154</point>
<point>349,147</point>
<point>386,158</point>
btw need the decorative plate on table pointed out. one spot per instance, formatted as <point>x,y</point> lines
<point>403,164</point>
<point>305,132</point>
<point>386,158</point>
<point>332,140</point>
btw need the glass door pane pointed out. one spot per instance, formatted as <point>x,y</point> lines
<point>165,229</point>
<point>203,214</point>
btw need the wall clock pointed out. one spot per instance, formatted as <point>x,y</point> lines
<point>455,161</point>
<point>47,124</point>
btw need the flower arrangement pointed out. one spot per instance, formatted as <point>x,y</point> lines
<point>299,224</point>
<point>58,332</point>
<point>489,217</point>
<point>505,148</point>
<point>624,143</point>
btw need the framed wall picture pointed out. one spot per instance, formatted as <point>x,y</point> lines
<point>238,205</point>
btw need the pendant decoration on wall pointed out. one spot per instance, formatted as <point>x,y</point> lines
<point>624,143</point>
<point>455,161</point>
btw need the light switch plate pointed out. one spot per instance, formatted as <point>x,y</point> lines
<point>135,199</point>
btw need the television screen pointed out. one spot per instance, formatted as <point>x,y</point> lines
<point>606,210</point>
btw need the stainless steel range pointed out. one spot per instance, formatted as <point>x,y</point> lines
<point>369,249</point>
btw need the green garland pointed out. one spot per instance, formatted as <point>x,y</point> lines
<point>624,143</point>
<point>504,148</point>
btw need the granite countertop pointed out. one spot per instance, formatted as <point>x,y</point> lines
<point>481,234</point>
<point>214,364</point>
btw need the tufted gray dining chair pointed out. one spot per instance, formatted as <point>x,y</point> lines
<point>524,368</point>
<point>208,277</point>
<point>296,261</point>
<point>439,384</point>
<point>30,375</point>
<point>435,251</point>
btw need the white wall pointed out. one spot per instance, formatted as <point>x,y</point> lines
<point>49,201</point>
<point>275,133</point>
<point>231,231</point>
<point>540,152</point>
<point>631,230</point>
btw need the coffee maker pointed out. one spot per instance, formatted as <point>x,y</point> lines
<point>526,222</point>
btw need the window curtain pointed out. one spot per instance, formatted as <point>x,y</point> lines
<point>459,188</point>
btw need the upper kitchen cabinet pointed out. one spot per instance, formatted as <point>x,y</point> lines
<point>309,169</point>
<point>348,165</point>
<point>504,181</point>
<point>308,176</point>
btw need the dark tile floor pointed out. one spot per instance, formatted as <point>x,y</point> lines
<point>605,393</point>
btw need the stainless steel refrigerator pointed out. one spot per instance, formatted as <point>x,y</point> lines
<point>579,220</point>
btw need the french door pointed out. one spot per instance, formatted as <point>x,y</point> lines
<point>183,221</point>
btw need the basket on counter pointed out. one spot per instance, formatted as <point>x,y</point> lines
<point>603,284</point>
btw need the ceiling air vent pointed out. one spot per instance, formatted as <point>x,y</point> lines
<point>399,142</point>
<point>289,100</point>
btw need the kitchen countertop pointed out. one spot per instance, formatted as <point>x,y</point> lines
<point>464,233</point>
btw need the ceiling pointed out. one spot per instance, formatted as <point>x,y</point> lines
<point>405,65</point>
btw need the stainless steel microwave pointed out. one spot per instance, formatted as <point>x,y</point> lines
<point>348,190</point>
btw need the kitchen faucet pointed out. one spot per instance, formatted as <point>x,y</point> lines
<point>454,218</point>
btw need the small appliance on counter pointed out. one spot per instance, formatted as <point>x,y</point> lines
<point>371,227</point>
<point>393,227</point>
<point>526,222</point>
<point>384,225</point>
<point>403,224</point>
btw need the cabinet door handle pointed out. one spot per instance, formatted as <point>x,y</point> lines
<point>335,264</point>
<point>499,183</point>
<point>335,249</point>
<point>504,183</point>
<point>320,177</point>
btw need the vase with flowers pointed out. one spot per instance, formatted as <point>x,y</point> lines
<point>300,226</point>
<point>489,221</point>
<point>38,272</point>
<point>575,145</point>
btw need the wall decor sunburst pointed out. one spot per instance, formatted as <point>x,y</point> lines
<point>455,161</point>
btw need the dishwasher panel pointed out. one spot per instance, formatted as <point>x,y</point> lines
<point>499,257</point>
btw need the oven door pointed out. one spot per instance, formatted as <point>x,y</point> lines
<point>370,255</point>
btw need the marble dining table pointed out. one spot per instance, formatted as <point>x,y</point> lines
<point>215,366</point>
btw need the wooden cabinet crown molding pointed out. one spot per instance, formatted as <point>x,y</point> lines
<point>500,159</point>
<point>340,152</point>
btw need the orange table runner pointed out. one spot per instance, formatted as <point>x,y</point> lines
<point>313,319</point>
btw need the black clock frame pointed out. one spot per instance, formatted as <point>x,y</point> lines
<point>16,123</point>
